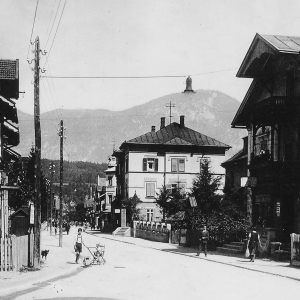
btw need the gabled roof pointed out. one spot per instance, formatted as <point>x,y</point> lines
<point>175,134</point>
<point>25,211</point>
<point>264,47</point>
<point>283,44</point>
<point>236,157</point>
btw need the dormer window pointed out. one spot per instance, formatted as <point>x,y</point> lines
<point>150,164</point>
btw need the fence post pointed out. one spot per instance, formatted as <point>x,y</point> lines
<point>13,252</point>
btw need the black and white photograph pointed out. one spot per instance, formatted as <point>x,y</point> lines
<point>149,149</point>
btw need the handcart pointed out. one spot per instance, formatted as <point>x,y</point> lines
<point>97,255</point>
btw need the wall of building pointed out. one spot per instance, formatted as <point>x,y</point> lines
<point>137,180</point>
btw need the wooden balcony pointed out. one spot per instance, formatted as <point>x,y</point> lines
<point>264,166</point>
<point>276,108</point>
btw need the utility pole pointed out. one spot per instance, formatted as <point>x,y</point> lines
<point>61,134</point>
<point>37,161</point>
<point>51,168</point>
<point>170,106</point>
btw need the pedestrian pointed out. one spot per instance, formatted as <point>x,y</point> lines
<point>204,236</point>
<point>68,227</point>
<point>253,242</point>
<point>78,242</point>
<point>55,226</point>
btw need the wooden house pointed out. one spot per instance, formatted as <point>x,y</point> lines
<point>270,113</point>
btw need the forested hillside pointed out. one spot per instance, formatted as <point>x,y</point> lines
<point>78,177</point>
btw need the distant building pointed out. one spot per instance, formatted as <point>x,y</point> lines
<point>236,168</point>
<point>170,156</point>
<point>110,193</point>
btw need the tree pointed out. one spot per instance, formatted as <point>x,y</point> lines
<point>206,192</point>
<point>131,205</point>
<point>172,203</point>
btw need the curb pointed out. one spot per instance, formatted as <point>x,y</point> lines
<point>33,283</point>
<point>207,259</point>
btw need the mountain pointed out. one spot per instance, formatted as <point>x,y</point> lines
<point>91,134</point>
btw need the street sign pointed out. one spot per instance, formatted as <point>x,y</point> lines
<point>278,209</point>
<point>31,219</point>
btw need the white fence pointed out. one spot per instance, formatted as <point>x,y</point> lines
<point>16,252</point>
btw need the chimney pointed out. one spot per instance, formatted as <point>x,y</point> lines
<point>182,121</point>
<point>162,122</point>
<point>152,128</point>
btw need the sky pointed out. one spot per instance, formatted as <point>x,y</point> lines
<point>135,38</point>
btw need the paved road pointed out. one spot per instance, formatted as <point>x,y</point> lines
<point>134,272</point>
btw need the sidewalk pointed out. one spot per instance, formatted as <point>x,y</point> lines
<point>267,266</point>
<point>60,262</point>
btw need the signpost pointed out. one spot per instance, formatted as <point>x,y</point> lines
<point>123,217</point>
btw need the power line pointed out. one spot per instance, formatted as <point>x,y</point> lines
<point>37,3</point>
<point>52,23</point>
<point>56,32</point>
<point>136,77</point>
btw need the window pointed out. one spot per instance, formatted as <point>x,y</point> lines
<point>203,162</point>
<point>263,145</point>
<point>177,165</point>
<point>150,189</point>
<point>150,214</point>
<point>110,180</point>
<point>110,199</point>
<point>173,187</point>
<point>150,164</point>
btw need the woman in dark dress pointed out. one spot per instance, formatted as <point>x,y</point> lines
<point>253,242</point>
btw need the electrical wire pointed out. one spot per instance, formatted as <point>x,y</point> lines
<point>55,33</point>
<point>52,23</point>
<point>136,77</point>
<point>53,122</point>
<point>37,3</point>
<point>56,97</point>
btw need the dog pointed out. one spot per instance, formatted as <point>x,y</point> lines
<point>44,253</point>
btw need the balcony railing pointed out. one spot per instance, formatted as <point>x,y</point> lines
<point>276,106</point>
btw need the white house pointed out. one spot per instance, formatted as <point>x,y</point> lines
<point>168,157</point>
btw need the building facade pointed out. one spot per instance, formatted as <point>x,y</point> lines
<point>168,157</point>
<point>236,169</point>
<point>270,113</point>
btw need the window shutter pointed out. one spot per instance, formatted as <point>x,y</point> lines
<point>152,191</point>
<point>156,165</point>
<point>174,165</point>
<point>180,165</point>
<point>144,164</point>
